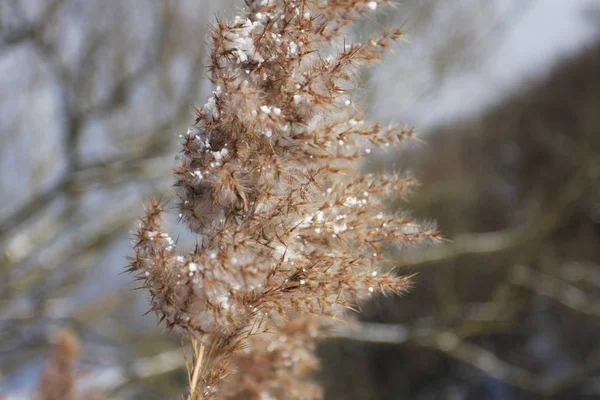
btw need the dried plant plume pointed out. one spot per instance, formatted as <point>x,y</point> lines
<point>289,232</point>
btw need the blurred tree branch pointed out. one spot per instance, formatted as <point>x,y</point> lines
<point>488,243</point>
<point>454,345</point>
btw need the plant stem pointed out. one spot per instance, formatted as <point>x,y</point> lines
<point>198,356</point>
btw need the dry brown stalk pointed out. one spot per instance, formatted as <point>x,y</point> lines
<point>289,233</point>
<point>59,377</point>
<point>57,380</point>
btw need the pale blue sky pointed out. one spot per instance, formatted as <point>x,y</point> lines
<point>548,31</point>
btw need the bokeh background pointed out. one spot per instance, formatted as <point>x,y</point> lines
<point>506,95</point>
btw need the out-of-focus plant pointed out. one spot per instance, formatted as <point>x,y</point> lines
<point>59,377</point>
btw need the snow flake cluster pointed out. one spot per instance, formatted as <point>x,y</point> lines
<point>239,40</point>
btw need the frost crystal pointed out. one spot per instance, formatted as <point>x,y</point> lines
<point>240,41</point>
